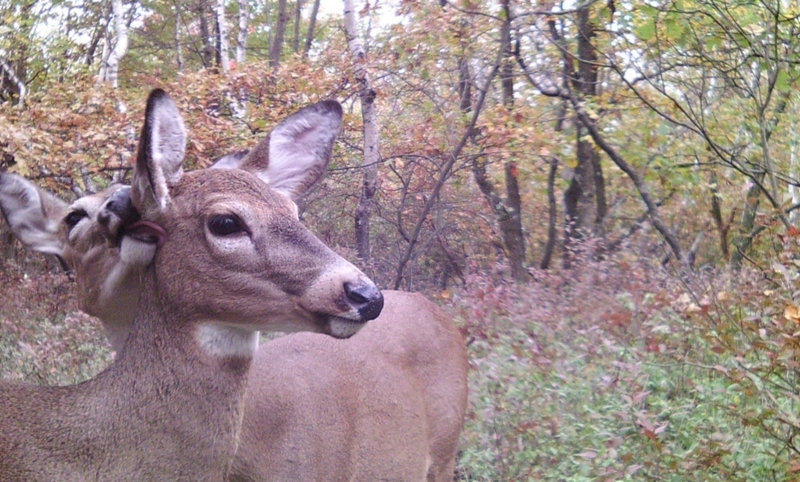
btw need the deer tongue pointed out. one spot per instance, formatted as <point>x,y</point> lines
<point>147,232</point>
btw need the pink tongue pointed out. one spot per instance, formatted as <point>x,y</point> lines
<point>147,232</point>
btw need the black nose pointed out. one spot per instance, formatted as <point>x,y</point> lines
<point>121,205</point>
<point>367,298</point>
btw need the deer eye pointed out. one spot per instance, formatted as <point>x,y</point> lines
<point>74,217</point>
<point>225,225</point>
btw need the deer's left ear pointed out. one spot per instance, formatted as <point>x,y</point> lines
<point>161,149</point>
<point>33,214</point>
<point>297,152</point>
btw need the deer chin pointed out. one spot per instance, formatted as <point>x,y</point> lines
<point>339,327</point>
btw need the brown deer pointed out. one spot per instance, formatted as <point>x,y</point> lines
<point>386,404</point>
<point>231,258</point>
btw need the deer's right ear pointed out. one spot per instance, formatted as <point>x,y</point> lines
<point>162,146</point>
<point>33,214</point>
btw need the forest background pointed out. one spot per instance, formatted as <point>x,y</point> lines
<point>603,195</point>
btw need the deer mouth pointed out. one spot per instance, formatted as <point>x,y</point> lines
<point>146,232</point>
<point>340,327</point>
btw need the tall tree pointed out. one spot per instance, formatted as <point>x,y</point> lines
<point>508,210</point>
<point>371,136</point>
<point>222,37</point>
<point>241,36</point>
<point>298,15</point>
<point>207,49</point>
<point>276,48</point>
<point>312,22</point>
<point>115,46</point>
<point>585,199</point>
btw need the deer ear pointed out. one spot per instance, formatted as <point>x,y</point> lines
<point>161,149</point>
<point>297,152</point>
<point>33,214</point>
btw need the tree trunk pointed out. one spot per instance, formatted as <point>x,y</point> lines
<point>371,136</point>
<point>312,23</point>
<point>553,212</point>
<point>17,84</point>
<point>208,47</point>
<point>109,71</point>
<point>716,215</point>
<point>241,38</point>
<point>744,236</point>
<point>297,16</point>
<point>585,199</point>
<point>280,30</point>
<point>794,192</point>
<point>178,49</point>
<point>222,37</point>
<point>508,211</point>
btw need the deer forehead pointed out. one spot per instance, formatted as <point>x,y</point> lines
<point>209,192</point>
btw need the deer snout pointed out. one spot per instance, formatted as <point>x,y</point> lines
<point>117,212</point>
<point>366,298</point>
<point>121,205</point>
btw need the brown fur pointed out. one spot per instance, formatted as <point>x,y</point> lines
<point>387,404</point>
<point>171,406</point>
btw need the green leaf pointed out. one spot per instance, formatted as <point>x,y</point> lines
<point>674,28</point>
<point>647,30</point>
<point>782,81</point>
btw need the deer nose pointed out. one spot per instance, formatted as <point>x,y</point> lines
<point>366,298</point>
<point>120,204</point>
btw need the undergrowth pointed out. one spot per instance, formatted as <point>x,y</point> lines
<point>612,371</point>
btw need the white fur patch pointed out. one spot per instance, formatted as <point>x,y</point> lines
<point>344,328</point>
<point>223,340</point>
<point>136,253</point>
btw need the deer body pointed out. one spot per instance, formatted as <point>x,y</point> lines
<point>219,255</point>
<point>386,404</point>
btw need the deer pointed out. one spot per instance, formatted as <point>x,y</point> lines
<point>385,404</point>
<point>231,258</point>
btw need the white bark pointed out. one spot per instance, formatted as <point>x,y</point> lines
<point>224,58</point>
<point>178,48</point>
<point>9,71</point>
<point>112,56</point>
<point>103,69</point>
<point>371,135</point>
<point>241,39</point>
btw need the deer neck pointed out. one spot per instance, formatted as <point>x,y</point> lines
<point>181,387</point>
<point>167,409</point>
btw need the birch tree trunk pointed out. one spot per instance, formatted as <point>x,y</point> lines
<point>371,154</point>
<point>178,49</point>
<point>241,38</point>
<point>112,55</point>
<point>22,91</point>
<point>222,30</point>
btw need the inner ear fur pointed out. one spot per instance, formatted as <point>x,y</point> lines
<point>162,147</point>
<point>33,214</point>
<point>296,153</point>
